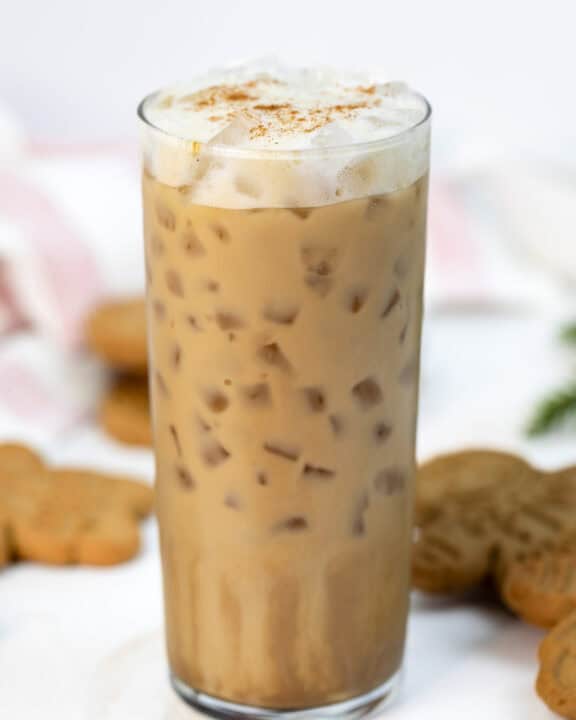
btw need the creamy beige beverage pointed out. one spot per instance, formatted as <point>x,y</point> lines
<point>285,267</point>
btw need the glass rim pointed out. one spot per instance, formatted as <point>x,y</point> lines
<point>363,147</point>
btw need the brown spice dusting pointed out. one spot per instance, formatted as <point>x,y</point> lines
<point>258,131</point>
<point>268,108</point>
<point>248,101</point>
<point>237,95</point>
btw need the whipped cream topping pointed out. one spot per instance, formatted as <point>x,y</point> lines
<point>289,136</point>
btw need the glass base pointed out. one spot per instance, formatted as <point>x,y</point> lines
<point>357,707</point>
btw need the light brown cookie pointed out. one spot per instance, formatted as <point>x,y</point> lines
<point>480,536</point>
<point>14,456</point>
<point>556,682</point>
<point>73,515</point>
<point>125,412</point>
<point>461,475</point>
<point>534,519</point>
<point>446,561</point>
<point>542,589</point>
<point>116,332</point>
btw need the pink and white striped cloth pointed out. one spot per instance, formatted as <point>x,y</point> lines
<point>50,278</point>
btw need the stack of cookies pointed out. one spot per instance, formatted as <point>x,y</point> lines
<point>66,516</point>
<point>486,515</point>
<point>116,332</point>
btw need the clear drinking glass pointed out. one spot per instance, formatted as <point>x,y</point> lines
<point>284,340</point>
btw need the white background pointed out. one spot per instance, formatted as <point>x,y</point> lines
<point>499,72</point>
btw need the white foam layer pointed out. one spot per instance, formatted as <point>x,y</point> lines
<point>275,137</point>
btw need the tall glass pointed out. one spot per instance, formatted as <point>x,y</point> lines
<point>284,339</point>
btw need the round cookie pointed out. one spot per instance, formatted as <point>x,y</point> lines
<point>116,332</point>
<point>125,412</point>
<point>542,589</point>
<point>461,475</point>
<point>556,682</point>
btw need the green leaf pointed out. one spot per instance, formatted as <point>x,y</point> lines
<point>568,334</point>
<point>553,411</point>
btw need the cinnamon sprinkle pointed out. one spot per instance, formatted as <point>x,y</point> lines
<point>268,108</point>
<point>263,118</point>
<point>237,95</point>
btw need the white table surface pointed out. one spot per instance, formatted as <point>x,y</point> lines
<point>62,631</point>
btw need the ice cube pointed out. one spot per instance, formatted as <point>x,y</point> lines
<point>314,398</point>
<point>235,134</point>
<point>257,395</point>
<point>331,135</point>
<point>216,401</point>
<point>174,282</point>
<point>367,393</point>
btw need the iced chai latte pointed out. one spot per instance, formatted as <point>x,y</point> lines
<point>285,218</point>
